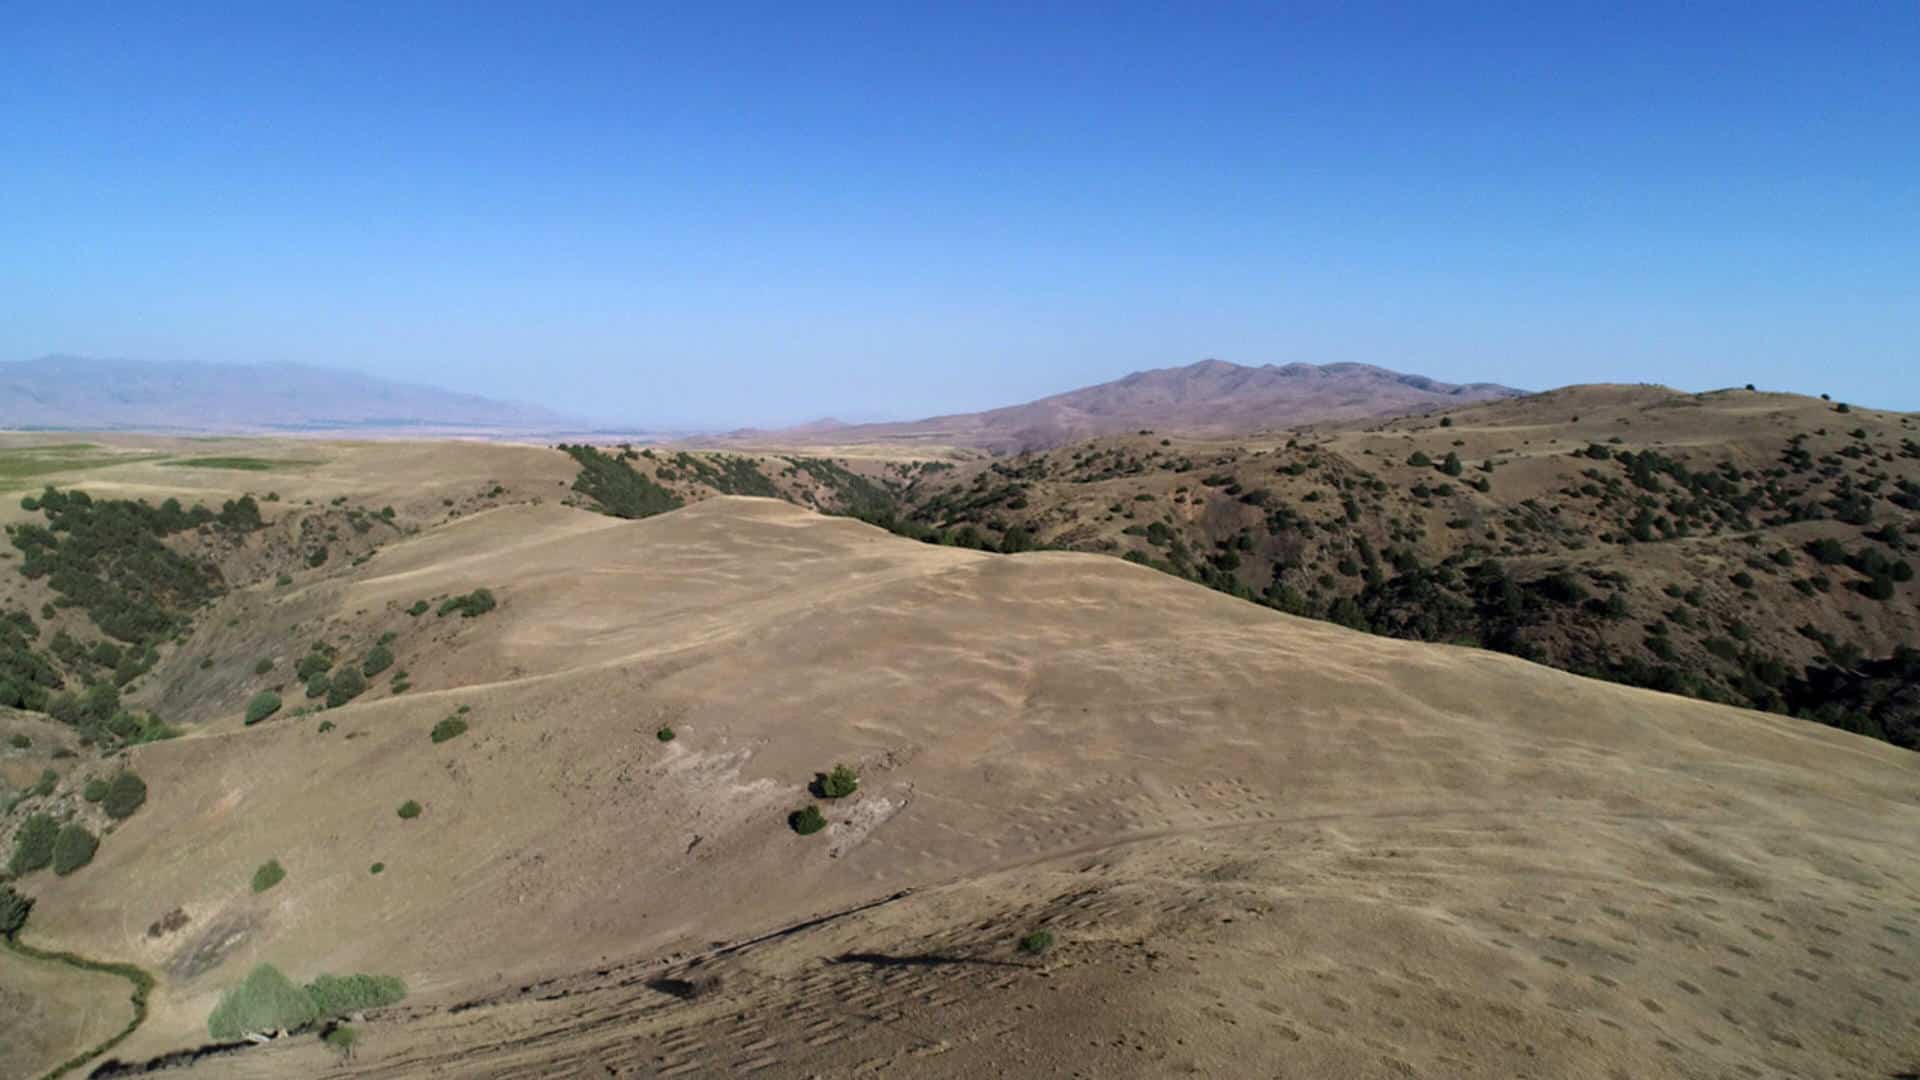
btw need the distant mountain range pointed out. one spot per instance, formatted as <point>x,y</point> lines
<point>81,394</point>
<point>1208,398</point>
<point>1212,397</point>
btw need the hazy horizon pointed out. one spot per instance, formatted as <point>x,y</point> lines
<point>760,216</point>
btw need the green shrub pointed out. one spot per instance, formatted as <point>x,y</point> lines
<point>665,734</point>
<point>409,810</point>
<point>448,728</point>
<point>376,868</point>
<point>33,845</point>
<point>318,686</point>
<point>326,726</point>
<point>1419,460</point>
<point>379,658</point>
<point>473,604</point>
<point>338,995</point>
<point>1037,943</point>
<point>317,662</point>
<point>45,785</point>
<point>265,1001</point>
<point>283,580</point>
<point>807,821</point>
<point>838,784</point>
<point>264,704</point>
<point>73,849</point>
<point>419,608</point>
<point>270,874</point>
<point>20,742</point>
<point>95,790</point>
<point>263,665</point>
<point>346,685</point>
<point>342,1038</point>
<point>125,794</point>
<point>14,910</point>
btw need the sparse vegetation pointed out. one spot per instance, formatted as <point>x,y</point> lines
<point>449,728</point>
<point>409,810</point>
<point>419,608</point>
<point>665,734</point>
<point>268,875</point>
<point>1037,943</point>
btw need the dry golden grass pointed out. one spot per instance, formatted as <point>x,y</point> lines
<point>1267,846</point>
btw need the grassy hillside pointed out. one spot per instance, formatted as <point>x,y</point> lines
<point>700,779</point>
<point>1741,547</point>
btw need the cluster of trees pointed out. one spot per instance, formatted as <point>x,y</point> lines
<point>106,556</point>
<point>616,488</point>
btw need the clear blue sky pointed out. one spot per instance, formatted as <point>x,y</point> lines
<point>716,214</point>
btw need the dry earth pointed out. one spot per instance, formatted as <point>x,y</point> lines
<point>1267,846</point>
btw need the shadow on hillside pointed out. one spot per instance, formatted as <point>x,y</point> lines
<point>922,960</point>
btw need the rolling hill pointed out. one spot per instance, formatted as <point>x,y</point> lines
<point>1256,843</point>
<point>1209,398</point>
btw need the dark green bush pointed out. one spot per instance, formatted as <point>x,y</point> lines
<point>125,794</point>
<point>448,728</point>
<point>838,784</point>
<point>476,603</point>
<point>14,910</point>
<point>665,734</point>
<point>33,845</point>
<point>1037,943</point>
<point>318,686</point>
<point>1419,460</point>
<point>379,658</point>
<point>73,849</point>
<point>376,868</point>
<point>265,704</point>
<point>95,790</point>
<point>409,810</point>
<point>264,665</point>
<point>317,662</point>
<point>419,608</point>
<point>807,821</point>
<point>270,874</point>
<point>347,684</point>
